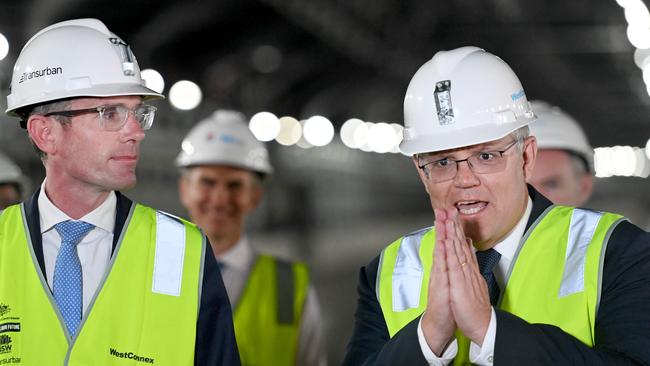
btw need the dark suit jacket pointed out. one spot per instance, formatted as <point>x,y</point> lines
<point>215,336</point>
<point>622,332</point>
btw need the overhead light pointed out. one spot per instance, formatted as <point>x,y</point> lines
<point>153,80</point>
<point>290,131</point>
<point>643,164</point>
<point>639,35</point>
<point>381,138</point>
<point>265,126</point>
<point>185,95</point>
<point>318,131</point>
<point>636,14</point>
<point>4,46</point>
<point>347,132</point>
<point>360,135</point>
<point>602,162</point>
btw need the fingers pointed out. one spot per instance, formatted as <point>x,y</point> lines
<point>440,258</point>
<point>455,262</point>
<point>440,213</point>
<point>457,246</point>
<point>439,223</point>
<point>458,227</point>
<point>468,252</point>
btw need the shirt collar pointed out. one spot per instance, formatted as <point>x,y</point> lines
<point>102,217</point>
<point>508,246</point>
<point>239,256</point>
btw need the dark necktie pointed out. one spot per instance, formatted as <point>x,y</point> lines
<point>221,265</point>
<point>487,260</point>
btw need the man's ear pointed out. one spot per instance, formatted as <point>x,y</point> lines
<point>43,132</point>
<point>424,176</point>
<point>529,156</point>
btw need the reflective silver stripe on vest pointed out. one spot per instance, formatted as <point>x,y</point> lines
<point>581,231</point>
<point>407,275</point>
<point>170,252</point>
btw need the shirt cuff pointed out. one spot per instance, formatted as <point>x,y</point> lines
<point>447,355</point>
<point>484,355</point>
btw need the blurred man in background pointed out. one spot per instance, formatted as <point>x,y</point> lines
<point>87,276</point>
<point>563,171</point>
<point>276,314</point>
<point>13,184</point>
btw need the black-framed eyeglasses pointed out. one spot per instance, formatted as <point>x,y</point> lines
<point>482,162</point>
<point>114,116</point>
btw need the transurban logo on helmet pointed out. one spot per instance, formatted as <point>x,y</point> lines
<point>40,73</point>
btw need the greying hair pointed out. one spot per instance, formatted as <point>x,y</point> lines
<point>520,135</point>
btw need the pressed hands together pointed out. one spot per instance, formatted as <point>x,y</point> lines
<point>458,295</point>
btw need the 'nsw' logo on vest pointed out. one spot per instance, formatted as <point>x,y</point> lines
<point>130,356</point>
<point>5,343</point>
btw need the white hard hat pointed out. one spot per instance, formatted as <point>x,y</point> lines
<point>462,97</point>
<point>556,129</point>
<point>75,58</point>
<point>11,173</point>
<point>224,139</point>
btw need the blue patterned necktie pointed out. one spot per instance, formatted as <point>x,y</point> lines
<point>487,260</point>
<point>68,288</point>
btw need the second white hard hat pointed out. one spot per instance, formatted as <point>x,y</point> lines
<point>556,129</point>
<point>224,139</point>
<point>460,98</point>
<point>74,58</point>
<point>11,173</point>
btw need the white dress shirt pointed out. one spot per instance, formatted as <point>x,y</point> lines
<point>237,264</point>
<point>484,354</point>
<point>94,250</point>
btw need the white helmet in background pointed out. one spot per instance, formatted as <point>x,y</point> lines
<point>224,139</point>
<point>75,58</point>
<point>11,173</point>
<point>462,97</point>
<point>555,129</point>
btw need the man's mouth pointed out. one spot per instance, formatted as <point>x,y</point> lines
<point>470,207</point>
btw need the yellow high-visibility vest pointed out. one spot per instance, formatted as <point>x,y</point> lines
<point>145,309</point>
<point>267,317</point>
<point>553,279</point>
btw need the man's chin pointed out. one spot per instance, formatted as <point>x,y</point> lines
<point>125,185</point>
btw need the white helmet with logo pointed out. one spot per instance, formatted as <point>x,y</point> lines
<point>462,97</point>
<point>224,139</point>
<point>10,173</point>
<point>556,129</point>
<point>75,58</point>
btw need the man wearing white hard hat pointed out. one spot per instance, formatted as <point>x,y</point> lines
<point>13,184</point>
<point>503,277</point>
<point>276,314</point>
<point>563,171</point>
<point>87,276</point>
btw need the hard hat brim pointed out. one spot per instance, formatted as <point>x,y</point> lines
<point>99,91</point>
<point>184,161</point>
<point>455,139</point>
